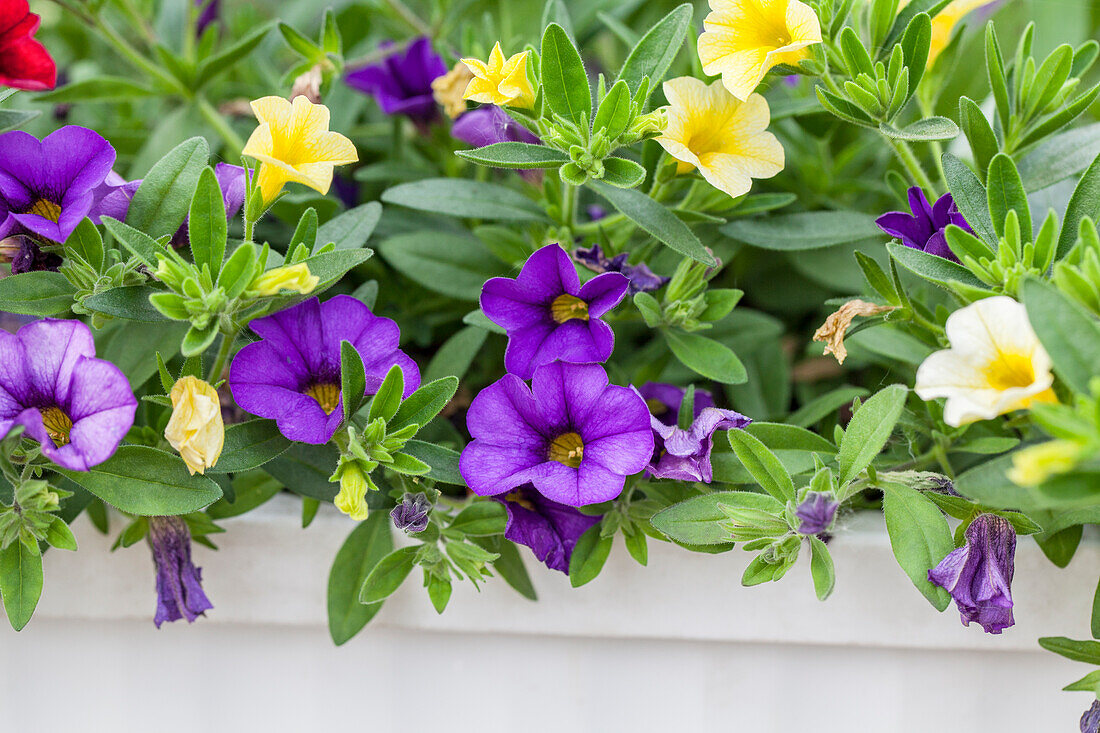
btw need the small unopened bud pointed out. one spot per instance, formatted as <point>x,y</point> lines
<point>816,511</point>
<point>411,515</point>
<point>295,278</point>
<point>352,499</point>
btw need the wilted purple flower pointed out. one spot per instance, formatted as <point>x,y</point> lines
<point>550,529</point>
<point>816,511</point>
<point>47,186</point>
<point>292,375</point>
<point>26,255</point>
<point>208,13</point>
<point>411,515</point>
<point>78,407</point>
<point>571,434</point>
<point>664,401</point>
<point>684,455</point>
<point>179,582</point>
<point>1090,721</point>
<point>548,314</point>
<point>978,575</point>
<point>642,279</point>
<point>402,82</point>
<point>923,229</point>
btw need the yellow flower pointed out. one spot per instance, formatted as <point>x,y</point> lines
<point>995,364</point>
<point>743,39</point>
<point>353,491</point>
<point>1035,464</point>
<point>945,21</point>
<point>448,90</point>
<point>296,278</point>
<point>725,138</point>
<point>195,428</point>
<point>293,143</point>
<point>500,82</point>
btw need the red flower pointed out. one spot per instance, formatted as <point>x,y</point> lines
<point>24,62</point>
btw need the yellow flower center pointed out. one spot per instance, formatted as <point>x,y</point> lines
<point>1010,370</point>
<point>46,209</point>
<point>567,449</point>
<point>326,394</point>
<point>516,497</point>
<point>567,307</point>
<point>57,425</point>
<point>656,407</point>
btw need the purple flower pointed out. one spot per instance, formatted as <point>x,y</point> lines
<point>292,375</point>
<point>978,575</point>
<point>208,13</point>
<point>664,401</point>
<point>550,529</point>
<point>571,434</point>
<point>78,407</point>
<point>816,512</point>
<point>924,228</point>
<point>179,582</point>
<point>595,212</point>
<point>548,314</point>
<point>411,515</point>
<point>1090,721</point>
<point>402,82</point>
<point>26,255</point>
<point>684,455</point>
<point>47,186</point>
<point>490,124</point>
<point>642,279</point>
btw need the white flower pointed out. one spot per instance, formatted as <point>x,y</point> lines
<point>995,364</point>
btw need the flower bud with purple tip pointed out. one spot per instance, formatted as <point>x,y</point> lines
<point>411,515</point>
<point>817,511</point>
<point>179,582</point>
<point>978,575</point>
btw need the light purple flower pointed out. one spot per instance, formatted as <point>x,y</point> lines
<point>179,582</point>
<point>816,511</point>
<point>411,515</point>
<point>402,82</point>
<point>571,434</point>
<point>978,575</point>
<point>550,529</point>
<point>292,375</point>
<point>642,279</point>
<point>47,186</point>
<point>664,401</point>
<point>684,455</point>
<point>548,314</point>
<point>78,407</point>
<point>489,124</point>
<point>923,229</point>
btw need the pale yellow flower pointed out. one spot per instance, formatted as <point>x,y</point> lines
<point>743,39</point>
<point>449,89</point>
<point>295,278</point>
<point>725,138</point>
<point>945,21</point>
<point>293,144</point>
<point>353,491</point>
<point>499,81</point>
<point>1035,464</point>
<point>196,429</point>
<point>995,364</point>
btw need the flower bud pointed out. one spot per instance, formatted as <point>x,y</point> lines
<point>295,278</point>
<point>353,492</point>
<point>196,429</point>
<point>816,511</point>
<point>411,515</point>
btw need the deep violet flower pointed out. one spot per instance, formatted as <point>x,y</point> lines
<point>978,575</point>
<point>664,401</point>
<point>411,515</point>
<point>571,434</point>
<point>684,455</point>
<point>550,529</point>
<point>292,375</point>
<point>78,407</point>
<point>1090,721</point>
<point>548,314</point>
<point>642,279</point>
<point>48,186</point>
<point>816,511</point>
<point>402,82</point>
<point>179,582</point>
<point>24,62</point>
<point>209,11</point>
<point>923,229</point>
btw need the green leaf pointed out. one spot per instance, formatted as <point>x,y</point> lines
<point>653,55</point>
<point>1084,202</point>
<point>87,243</point>
<point>147,482</point>
<point>481,519</point>
<point>98,89</point>
<point>137,242</point>
<point>589,555</point>
<point>825,405</point>
<point>305,470</point>
<point>361,552</point>
<point>762,464</point>
<point>249,492</point>
<point>20,582</point>
<point>351,229</point>
<point>161,202</point>
<point>206,224</point>
<point>300,43</point>
<point>225,60</point>
<point>777,436</point>
<point>1078,651</point>
<point>979,133</point>
<point>1058,157</point>
<point>387,399</point>
<point>36,293</point>
<point>1069,333</point>
<point>331,266</point>
<point>564,81</point>
<point>1006,193</point>
<point>1088,683</point>
<point>424,404</point>
<point>515,155</point>
<point>869,429</point>
<point>622,173</point>
<point>821,569</point>
<point>707,357</point>
<point>439,589</point>
<point>1061,546</point>
<point>509,565</point>
<point>613,116</point>
<point>697,521</point>
<point>655,219</point>
<point>935,269</point>
<point>919,537</point>
<point>443,461</point>
<point>456,354</point>
<point>12,119</point>
<point>249,445</point>
<point>930,128</point>
<point>197,340</point>
<point>805,230</point>
<point>353,380</point>
<point>451,264</point>
<point>1094,622</point>
<point>471,199</point>
<point>59,535</point>
<point>388,575</point>
<point>130,302</point>
<point>970,196</point>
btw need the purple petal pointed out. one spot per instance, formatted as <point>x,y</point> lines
<point>604,292</point>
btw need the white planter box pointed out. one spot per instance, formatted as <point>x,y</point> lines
<point>676,646</point>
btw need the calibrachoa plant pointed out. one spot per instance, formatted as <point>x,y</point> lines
<point>603,262</point>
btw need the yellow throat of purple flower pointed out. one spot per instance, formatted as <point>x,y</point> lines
<point>46,209</point>
<point>57,424</point>
<point>326,394</point>
<point>567,449</point>
<point>566,307</point>
<point>517,497</point>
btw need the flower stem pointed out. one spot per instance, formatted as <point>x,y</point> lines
<point>139,61</point>
<point>905,155</point>
<point>216,120</point>
<point>402,10</point>
<point>223,356</point>
<point>568,204</point>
